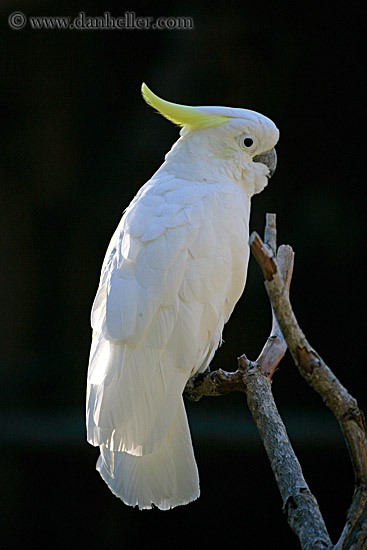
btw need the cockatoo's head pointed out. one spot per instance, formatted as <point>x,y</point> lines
<point>219,143</point>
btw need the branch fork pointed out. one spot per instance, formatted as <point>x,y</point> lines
<point>254,379</point>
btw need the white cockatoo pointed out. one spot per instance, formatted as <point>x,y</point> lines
<point>173,272</point>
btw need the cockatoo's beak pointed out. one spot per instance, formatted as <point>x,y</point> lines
<point>269,158</point>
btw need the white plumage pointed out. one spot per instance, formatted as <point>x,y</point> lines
<point>173,272</point>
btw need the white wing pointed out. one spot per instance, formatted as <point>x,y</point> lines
<point>172,274</point>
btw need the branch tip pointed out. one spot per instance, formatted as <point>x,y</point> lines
<point>270,232</point>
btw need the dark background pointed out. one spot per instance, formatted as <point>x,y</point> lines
<point>78,142</point>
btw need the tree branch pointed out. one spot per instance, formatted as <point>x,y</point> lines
<point>299,504</point>
<point>213,383</point>
<point>276,346</point>
<point>334,394</point>
<point>254,379</point>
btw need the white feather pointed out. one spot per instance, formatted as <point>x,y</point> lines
<point>156,329</point>
<point>172,274</point>
<point>165,478</point>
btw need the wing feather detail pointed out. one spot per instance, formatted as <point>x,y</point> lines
<point>166,287</point>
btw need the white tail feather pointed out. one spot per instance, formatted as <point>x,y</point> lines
<point>166,478</point>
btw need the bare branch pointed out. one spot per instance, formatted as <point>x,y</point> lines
<point>276,346</point>
<point>270,232</point>
<point>336,397</point>
<point>254,379</point>
<point>299,505</point>
<point>264,256</point>
<point>218,382</point>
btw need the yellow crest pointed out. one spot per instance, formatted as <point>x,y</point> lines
<point>182,115</point>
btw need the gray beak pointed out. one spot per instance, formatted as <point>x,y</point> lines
<point>269,158</point>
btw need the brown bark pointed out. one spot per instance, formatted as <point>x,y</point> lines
<point>254,379</point>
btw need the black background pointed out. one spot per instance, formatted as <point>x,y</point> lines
<point>78,142</point>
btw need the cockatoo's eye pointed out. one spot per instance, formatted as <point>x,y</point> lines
<point>247,142</point>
